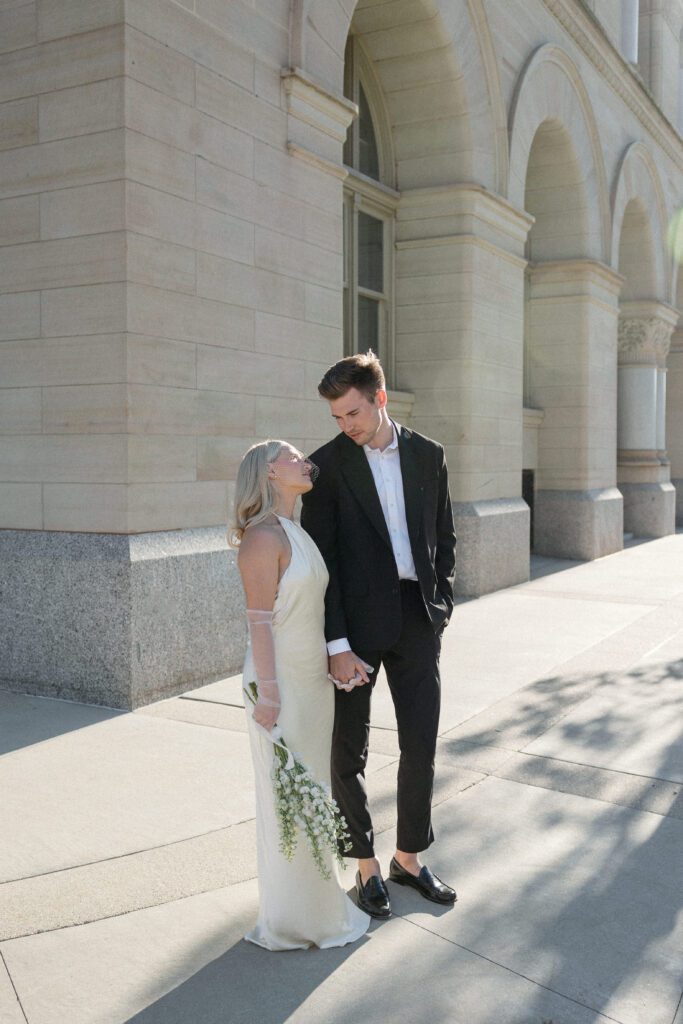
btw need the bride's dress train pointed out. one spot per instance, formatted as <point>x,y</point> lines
<point>297,907</point>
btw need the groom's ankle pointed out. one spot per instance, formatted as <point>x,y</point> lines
<point>368,866</point>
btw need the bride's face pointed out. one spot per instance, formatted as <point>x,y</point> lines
<point>292,471</point>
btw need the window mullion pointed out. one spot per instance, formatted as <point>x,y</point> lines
<point>353,281</point>
<point>389,280</point>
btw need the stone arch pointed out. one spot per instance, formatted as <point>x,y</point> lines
<point>433,37</point>
<point>637,192</point>
<point>555,197</point>
<point>551,92</point>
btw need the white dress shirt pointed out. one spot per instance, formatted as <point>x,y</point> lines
<point>385,466</point>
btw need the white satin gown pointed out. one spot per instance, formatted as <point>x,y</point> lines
<point>298,908</point>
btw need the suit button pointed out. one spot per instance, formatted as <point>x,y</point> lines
<point>394,590</point>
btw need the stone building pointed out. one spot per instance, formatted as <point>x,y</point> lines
<point>204,203</point>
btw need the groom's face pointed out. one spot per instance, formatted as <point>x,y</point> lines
<point>358,416</point>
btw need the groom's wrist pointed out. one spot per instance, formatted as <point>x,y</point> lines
<point>338,646</point>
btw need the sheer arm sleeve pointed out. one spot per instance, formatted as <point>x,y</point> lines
<point>263,652</point>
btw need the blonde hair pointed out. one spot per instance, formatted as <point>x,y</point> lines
<point>255,497</point>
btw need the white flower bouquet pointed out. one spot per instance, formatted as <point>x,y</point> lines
<point>303,805</point>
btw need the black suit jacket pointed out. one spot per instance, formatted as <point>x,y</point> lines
<point>343,515</point>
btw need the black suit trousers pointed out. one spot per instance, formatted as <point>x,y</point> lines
<point>412,669</point>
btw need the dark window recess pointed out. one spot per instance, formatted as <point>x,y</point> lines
<point>528,495</point>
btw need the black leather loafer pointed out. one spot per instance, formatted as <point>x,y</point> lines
<point>373,897</point>
<point>431,887</point>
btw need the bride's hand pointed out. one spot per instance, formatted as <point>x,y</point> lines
<point>265,716</point>
<point>347,667</point>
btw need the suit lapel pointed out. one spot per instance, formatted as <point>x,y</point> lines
<point>359,477</point>
<point>411,471</point>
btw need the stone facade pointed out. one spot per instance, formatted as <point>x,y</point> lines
<point>172,274</point>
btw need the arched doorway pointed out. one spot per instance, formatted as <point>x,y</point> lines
<point>570,314</point>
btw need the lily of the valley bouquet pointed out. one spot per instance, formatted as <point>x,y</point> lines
<point>303,805</point>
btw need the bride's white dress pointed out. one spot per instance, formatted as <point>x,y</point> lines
<point>297,907</point>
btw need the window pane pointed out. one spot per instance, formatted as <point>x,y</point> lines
<point>348,92</point>
<point>370,252</point>
<point>348,339</point>
<point>348,68</point>
<point>368,324</point>
<point>368,156</point>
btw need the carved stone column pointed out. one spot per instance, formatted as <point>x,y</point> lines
<point>643,470</point>
<point>674,417</point>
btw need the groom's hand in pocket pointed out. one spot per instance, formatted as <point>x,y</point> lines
<point>346,666</point>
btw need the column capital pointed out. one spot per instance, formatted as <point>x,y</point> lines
<point>644,334</point>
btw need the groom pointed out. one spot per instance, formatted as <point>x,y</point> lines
<point>381,515</point>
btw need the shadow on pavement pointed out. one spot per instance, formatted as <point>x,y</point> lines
<point>249,985</point>
<point>600,921</point>
<point>25,719</point>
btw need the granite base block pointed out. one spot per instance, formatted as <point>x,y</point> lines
<point>578,524</point>
<point>649,509</point>
<point>118,620</point>
<point>492,545</point>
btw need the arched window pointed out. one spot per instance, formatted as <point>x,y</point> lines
<point>370,202</point>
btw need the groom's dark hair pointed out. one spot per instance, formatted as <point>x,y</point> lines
<point>362,371</point>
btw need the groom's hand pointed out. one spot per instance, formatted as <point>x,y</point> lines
<point>346,665</point>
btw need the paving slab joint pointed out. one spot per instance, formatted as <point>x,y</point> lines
<point>14,987</point>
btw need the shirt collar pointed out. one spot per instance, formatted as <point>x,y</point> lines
<point>393,444</point>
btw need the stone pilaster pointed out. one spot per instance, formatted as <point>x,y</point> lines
<point>571,375</point>
<point>459,321</point>
<point>645,330</point>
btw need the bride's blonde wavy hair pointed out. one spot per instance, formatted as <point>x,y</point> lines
<point>255,496</point>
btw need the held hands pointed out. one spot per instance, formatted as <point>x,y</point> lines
<point>347,670</point>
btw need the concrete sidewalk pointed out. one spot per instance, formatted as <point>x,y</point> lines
<point>127,857</point>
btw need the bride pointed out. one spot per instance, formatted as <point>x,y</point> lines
<point>284,579</point>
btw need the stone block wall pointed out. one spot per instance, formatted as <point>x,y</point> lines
<point>169,277</point>
<point>63,447</point>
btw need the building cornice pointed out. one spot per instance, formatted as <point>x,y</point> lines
<point>618,72</point>
<point>577,269</point>
<point>466,199</point>
<point>462,239</point>
<point>315,105</point>
<point>317,161</point>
